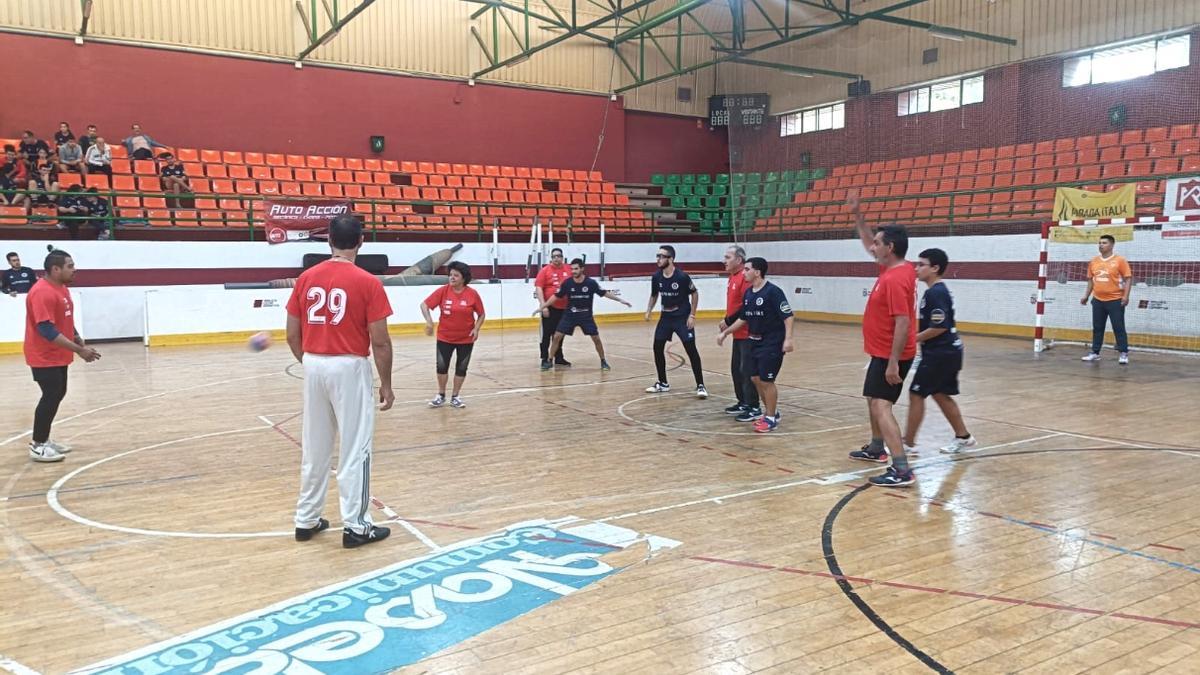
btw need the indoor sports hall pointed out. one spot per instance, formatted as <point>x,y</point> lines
<point>178,175</point>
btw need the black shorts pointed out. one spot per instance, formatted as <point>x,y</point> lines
<point>461,354</point>
<point>767,360</point>
<point>937,374</point>
<point>876,385</point>
<point>584,320</point>
<point>669,326</point>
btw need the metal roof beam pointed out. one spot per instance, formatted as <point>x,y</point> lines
<point>333,29</point>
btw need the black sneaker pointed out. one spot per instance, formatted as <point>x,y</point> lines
<point>562,362</point>
<point>736,409</point>
<point>546,365</point>
<point>893,478</point>
<point>306,533</point>
<point>749,415</point>
<point>866,455</point>
<point>372,535</point>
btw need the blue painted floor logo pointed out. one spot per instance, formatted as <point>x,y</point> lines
<point>402,613</point>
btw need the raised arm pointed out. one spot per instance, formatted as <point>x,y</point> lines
<point>860,222</point>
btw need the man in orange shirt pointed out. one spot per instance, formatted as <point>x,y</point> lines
<point>337,318</point>
<point>546,285</point>
<point>1109,283</point>
<point>51,343</point>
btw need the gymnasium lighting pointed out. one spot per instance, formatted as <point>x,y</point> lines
<point>798,73</point>
<point>518,62</point>
<point>946,34</point>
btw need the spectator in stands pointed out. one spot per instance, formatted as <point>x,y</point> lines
<point>30,145</point>
<point>100,214</point>
<point>174,180</point>
<point>70,158</point>
<point>139,145</point>
<point>87,140</point>
<point>14,178</point>
<point>72,208</point>
<point>99,157</point>
<point>42,183</point>
<point>44,159</point>
<point>63,134</point>
<point>17,279</point>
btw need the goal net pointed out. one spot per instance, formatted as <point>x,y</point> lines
<point>1164,304</point>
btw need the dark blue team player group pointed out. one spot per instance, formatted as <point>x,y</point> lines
<point>765,310</point>
<point>580,291</point>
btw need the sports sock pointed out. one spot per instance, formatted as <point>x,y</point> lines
<point>875,446</point>
<point>900,464</point>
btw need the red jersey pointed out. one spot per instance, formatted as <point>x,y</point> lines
<point>894,294</point>
<point>335,302</point>
<point>549,279</point>
<point>48,302</point>
<point>458,313</point>
<point>735,292</point>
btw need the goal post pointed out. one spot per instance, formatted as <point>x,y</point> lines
<point>1164,305</point>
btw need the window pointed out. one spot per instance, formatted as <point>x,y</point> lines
<point>1126,62</point>
<point>814,119</point>
<point>940,96</point>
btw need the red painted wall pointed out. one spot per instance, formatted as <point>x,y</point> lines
<point>1023,102</point>
<point>672,144</point>
<point>203,101</point>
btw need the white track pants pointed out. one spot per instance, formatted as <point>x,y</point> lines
<point>338,396</point>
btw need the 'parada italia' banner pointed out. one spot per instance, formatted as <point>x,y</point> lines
<point>1072,204</point>
<point>1070,234</point>
<point>300,219</point>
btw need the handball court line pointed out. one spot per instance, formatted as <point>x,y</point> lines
<point>387,511</point>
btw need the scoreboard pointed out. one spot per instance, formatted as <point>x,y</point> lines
<point>743,110</point>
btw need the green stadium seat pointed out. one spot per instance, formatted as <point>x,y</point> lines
<point>689,179</point>
<point>754,178</point>
<point>673,179</point>
<point>658,179</point>
<point>722,179</point>
<point>703,179</point>
<point>670,190</point>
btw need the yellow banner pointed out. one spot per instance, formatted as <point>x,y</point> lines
<point>1067,234</point>
<point>1072,204</point>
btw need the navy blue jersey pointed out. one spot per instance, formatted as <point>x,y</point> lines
<point>675,292</point>
<point>580,294</point>
<point>765,311</point>
<point>937,311</point>
<point>19,280</point>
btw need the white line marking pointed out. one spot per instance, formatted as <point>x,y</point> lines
<point>394,517</point>
<point>138,399</point>
<point>665,427</point>
<point>826,480</point>
<point>52,496</point>
<point>16,668</point>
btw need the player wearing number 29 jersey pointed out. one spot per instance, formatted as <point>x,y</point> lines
<point>336,316</point>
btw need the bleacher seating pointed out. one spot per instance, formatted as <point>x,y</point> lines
<point>719,202</point>
<point>997,184</point>
<point>396,195</point>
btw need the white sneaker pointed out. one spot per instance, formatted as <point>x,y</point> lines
<point>438,401</point>
<point>658,388</point>
<point>59,447</point>
<point>1123,359</point>
<point>958,445</point>
<point>1091,357</point>
<point>701,392</point>
<point>456,402</point>
<point>42,452</point>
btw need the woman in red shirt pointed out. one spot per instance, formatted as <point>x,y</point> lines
<point>462,315</point>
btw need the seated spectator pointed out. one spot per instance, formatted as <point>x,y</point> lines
<point>70,157</point>
<point>87,140</point>
<point>174,179</point>
<point>43,184</point>
<point>99,157</point>
<point>100,214</point>
<point>63,134</point>
<point>14,178</point>
<point>139,145</point>
<point>42,160</point>
<point>30,145</point>
<point>73,207</point>
<point>16,279</point>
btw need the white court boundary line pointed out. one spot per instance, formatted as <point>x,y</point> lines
<point>15,667</point>
<point>666,427</point>
<point>137,400</point>
<point>52,495</point>
<point>832,479</point>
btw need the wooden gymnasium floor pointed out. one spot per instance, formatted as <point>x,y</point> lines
<point>1070,541</point>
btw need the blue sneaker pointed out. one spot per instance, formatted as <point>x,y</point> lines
<point>766,424</point>
<point>893,478</point>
